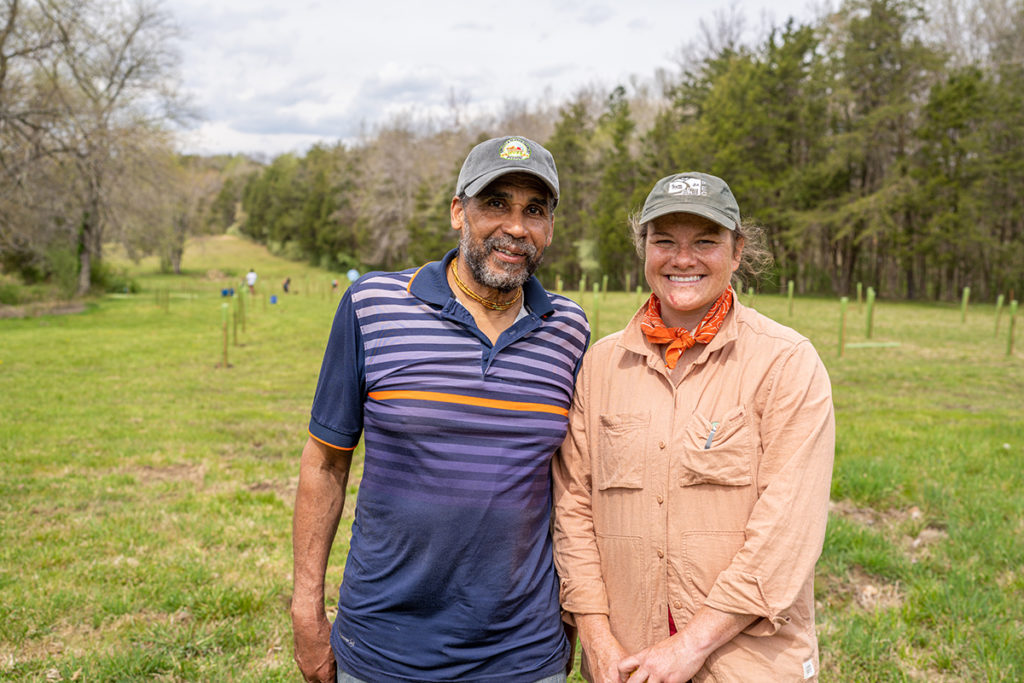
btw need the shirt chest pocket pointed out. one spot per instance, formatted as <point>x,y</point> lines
<point>620,450</point>
<point>717,450</point>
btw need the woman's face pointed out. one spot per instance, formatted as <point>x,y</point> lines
<point>689,262</point>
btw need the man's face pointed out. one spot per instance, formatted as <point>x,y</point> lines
<point>505,229</point>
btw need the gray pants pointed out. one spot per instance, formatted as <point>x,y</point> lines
<point>345,678</point>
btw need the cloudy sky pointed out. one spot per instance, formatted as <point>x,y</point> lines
<point>270,76</point>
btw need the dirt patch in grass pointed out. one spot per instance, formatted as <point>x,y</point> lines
<point>905,527</point>
<point>39,309</point>
<point>284,490</point>
<point>859,589</point>
<point>149,474</point>
<point>78,639</point>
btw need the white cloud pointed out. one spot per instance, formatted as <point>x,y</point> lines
<point>275,75</point>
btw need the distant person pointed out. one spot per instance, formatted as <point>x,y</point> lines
<point>250,280</point>
<point>334,285</point>
<point>286,284</point>
<point>691,494</point>
<point>459,375</point>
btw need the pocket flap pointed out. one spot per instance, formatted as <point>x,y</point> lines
<point>620,450</point>
<point>717,451</point>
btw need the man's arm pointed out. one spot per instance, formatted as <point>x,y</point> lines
<point>677,658</point>
<point>323,476</point>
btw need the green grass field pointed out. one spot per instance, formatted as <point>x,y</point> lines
<point>145,500</point>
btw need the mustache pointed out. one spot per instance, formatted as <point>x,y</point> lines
<point>511,244</point>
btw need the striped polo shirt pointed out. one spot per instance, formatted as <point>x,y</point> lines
<point>449,574</point>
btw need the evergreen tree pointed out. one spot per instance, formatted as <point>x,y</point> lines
<point>618,193</point>
<point>572,147</point>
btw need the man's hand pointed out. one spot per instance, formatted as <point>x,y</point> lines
<point>313,651</point>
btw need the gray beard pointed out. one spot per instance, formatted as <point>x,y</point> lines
<point>511,276</point>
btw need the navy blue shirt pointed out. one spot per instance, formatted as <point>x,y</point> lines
<point>449,574</point>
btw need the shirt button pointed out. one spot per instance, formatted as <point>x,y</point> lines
<point>661,553</point>
<point>677,604</point>
<point>661,500</point>
<point>661,444</point>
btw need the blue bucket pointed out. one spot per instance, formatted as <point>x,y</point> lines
<point>273,298</point>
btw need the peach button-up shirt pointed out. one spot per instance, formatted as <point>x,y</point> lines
<point>709,485</point>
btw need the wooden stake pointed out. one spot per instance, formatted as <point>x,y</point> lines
<point>224,318</point>
<point>843,302</point>
<point>871,312</point>
<point>1009,337</point>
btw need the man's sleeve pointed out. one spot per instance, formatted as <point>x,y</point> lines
<point>336,418</point>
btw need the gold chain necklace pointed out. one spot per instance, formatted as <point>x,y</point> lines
<point>493,305</point>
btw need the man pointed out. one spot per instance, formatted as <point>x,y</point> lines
<point>250,280</point>
<point>459,375</point>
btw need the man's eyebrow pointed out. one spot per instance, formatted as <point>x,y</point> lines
<point>505,194</point>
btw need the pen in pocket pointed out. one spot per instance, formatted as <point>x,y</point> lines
<point>711,435</point>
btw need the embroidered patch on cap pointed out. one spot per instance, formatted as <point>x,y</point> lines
<point>688,186</point>
<point>515,148</point>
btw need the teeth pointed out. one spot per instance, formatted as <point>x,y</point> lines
<point>684,278</point>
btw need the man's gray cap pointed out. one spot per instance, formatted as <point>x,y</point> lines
<point>697,193</point>
<point>509,154</point>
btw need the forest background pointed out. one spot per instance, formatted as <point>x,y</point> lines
<point>882,143</point>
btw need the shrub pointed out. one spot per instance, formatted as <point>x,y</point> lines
<point>108,279</point>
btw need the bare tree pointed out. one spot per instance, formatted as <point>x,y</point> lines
<point>112,74</point>
<point>977,31</point>
<point>83,84</point>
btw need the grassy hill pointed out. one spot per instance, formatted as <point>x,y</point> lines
<point>147,489</point>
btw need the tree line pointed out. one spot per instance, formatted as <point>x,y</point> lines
<point>881,142</point>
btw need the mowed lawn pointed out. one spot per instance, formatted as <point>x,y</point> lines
<point>146,490</point>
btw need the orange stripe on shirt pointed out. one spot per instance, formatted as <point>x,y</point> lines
<point>468,401</point>
<point>337,448</point>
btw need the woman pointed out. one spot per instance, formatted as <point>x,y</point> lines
<point>691,493</point>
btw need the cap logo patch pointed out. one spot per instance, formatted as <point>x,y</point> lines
<point>516,149</point>
<point>688,186</point>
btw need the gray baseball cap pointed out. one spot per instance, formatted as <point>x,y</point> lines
<point>509,154</point>
<point>697,193</point>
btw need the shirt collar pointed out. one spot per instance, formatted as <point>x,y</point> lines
<point>633,338</point>
<point>430,284</point>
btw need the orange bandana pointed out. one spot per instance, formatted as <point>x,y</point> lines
<point>679,338</point>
